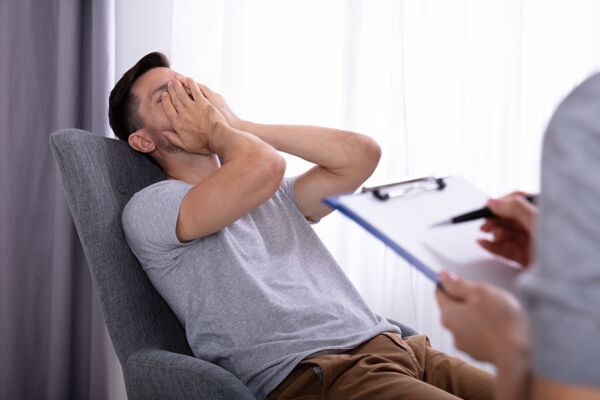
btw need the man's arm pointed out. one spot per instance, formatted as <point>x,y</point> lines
<point>251,172</point>
<point>344,160</point>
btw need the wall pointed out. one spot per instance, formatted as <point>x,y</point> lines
<point>141,26</point>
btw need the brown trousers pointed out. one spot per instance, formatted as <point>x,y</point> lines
<point>386,367</point>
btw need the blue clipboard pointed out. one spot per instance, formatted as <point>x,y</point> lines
<point>401,215</point>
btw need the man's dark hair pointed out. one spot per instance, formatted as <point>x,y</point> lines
<point>122,104</point>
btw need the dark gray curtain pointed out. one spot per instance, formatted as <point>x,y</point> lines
<point>56,69</point>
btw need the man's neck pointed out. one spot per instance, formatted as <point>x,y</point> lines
<point>191,168</point>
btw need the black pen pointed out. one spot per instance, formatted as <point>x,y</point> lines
<point>476,214</point>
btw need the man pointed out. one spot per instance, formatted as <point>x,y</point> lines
<point>231,250</point>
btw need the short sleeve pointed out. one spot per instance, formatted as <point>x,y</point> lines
<point>150,220</point>
<point>562,291</point>
<point>287,187</point>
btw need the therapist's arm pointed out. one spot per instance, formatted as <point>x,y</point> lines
<point>553,390</point>
<point>489,324</point>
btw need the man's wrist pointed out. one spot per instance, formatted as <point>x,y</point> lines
<point>225,138</point>
<point>243,125</point>
<point>218,136</point>
<point>261,131</point>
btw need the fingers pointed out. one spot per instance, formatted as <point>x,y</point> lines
<point>205,90</point>
<point>195,89</point>
<point>169,108</point>
<point>501,249</point>
<point>442,299</point>
<point>504,230</point>
<point>179,97</point>
<point>208,93</point>
<point>499,232</point>
<point>173,96</point>
<point>508,250</point>
<point>520,193</point>
<point>487,225</point>
<point>182,79</point>
<point>515,207</point>
<point>452,299</point>
<point>181,92</point>
<point>455,287</point>
<point>503,223</point>
<point>447,307</point>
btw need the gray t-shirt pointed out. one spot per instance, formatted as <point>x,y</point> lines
<point>256,297</point>
<point>562,291</point>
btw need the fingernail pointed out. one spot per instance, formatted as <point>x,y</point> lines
<point>448,276</point>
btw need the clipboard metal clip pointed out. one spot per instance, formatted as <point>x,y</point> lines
<point>398,189</point>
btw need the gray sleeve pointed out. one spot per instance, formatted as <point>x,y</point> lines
<point>562,291</point>
<point>287,186</point>
<point>150,219</point>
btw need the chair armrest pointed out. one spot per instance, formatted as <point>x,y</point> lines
<point>160,374</point>
<point>406,330</point>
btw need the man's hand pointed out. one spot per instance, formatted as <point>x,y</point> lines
<point>513,230</point>
<point>219,102</point>
<point>486,321</point>
<point>216,100</point>
<point>196,120</point>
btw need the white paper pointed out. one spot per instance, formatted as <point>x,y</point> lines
<point>407,220</point>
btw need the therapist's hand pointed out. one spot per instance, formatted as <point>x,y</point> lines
<point>487,322</point>
<point>513,230</point>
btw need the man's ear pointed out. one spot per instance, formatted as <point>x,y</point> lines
<point>141,141</point>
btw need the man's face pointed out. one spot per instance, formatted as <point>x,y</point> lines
<point>148,89</point>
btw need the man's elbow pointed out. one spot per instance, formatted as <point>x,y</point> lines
<point>371,153</point>
<point>271,169</point>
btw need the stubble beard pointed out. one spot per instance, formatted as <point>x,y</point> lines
<point>165,145</point>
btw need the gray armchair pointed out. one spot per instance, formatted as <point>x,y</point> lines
<point>99,176</point>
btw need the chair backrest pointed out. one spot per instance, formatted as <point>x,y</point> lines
<point>99,176</point>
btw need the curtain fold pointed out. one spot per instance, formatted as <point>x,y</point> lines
<point>56,71</point>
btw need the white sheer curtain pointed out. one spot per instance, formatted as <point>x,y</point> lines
<point>461,87</point>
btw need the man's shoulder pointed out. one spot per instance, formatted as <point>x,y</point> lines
<point>152,199</point>
<point>166,185</point>
<point>157,192</point>
<point>150,216</point>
